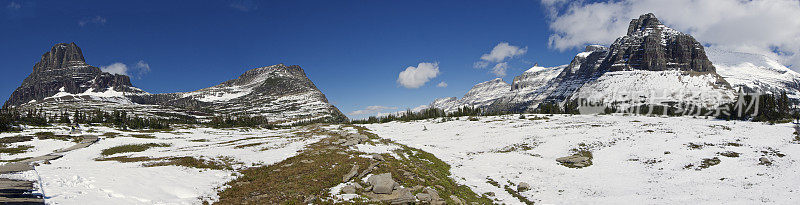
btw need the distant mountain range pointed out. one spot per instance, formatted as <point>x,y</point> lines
<point>651,64</point>
<point>62,81</point>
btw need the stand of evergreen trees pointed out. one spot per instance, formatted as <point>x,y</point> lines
<point>11,118</point>
<point>428,113</point>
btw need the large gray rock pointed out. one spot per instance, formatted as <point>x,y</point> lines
<point>575,161</point>
<point>382,183</point>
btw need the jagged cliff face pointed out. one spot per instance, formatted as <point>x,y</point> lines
<point>649,45</point>
<point>650,59</point>
<point>62,81</point>
<point>64,70</point>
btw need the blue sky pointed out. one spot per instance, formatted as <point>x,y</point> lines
<point>353,50</point>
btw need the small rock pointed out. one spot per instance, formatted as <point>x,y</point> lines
<point>575,160</point>
<point>382,183</point>
<point>350,142</point>
<point>349,189</point>
<point>358,186</point>
<point>368,170</point>
<point>306,161</point>
<point>378,157</point>
<point>433,193</point>
<point>351,174</point>
<point>522,186</point>
<point>340,141</point>
<point>764,161</point>
<point>456,200</point>
<point>403,196</point>
<point>310,199</point>
<point>424,197</point>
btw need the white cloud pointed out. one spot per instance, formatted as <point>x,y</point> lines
<point>375,109</point>
<point>116,68</point>
<point>14,6</point>
<point>442,85</point>
<point>140,68</point>
<point>143,67</point>
<point>481,64</point>
<point>99,20</point>
<point>502,51</point>
<point>499,70</point>
<point>770,27</point>
<point>415,77</point>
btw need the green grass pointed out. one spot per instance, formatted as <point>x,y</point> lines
<point>132,148</point>
<point>143,136</point>
<point>15,139</point>
<point>14,150</point>
<point>39,134</point>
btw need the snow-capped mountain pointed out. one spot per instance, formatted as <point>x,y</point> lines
<point>651,64</point>
<point>279,92</point>
<point>755,72</point>
<point>481,95</point>
<point>62,74</point>
<point>62,81</point>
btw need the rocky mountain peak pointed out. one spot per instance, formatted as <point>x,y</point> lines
<point>643,22</point>
<point>61,55</point>
<point>64,70</point>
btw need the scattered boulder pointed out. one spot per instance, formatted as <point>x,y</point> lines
<point>575,161</point>
<point>456,200</point>
<point>369,169</point>
<point>350,174</point>
<point>522,186</point>
<point>433,193</point>
<point>378,157</point>
<point>424,197</point>
<point>306,161</point>
<point>349,189</point>
<point>764,161</point>
<point>310,199</point>
<point>382,183</point>
<point>402,196</point>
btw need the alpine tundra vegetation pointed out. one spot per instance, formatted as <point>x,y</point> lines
<point>655,116</point>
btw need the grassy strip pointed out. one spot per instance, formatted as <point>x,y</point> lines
<point>132,148</point>
<point>14,150</point>
<point>221,164</point>
<point>15,139</point>
<point>143,136</point>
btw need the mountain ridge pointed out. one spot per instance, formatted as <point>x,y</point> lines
<point>63,81</point>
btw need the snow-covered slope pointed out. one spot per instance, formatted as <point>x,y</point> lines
<point>480,96</point>
<point>755,72</point>
<point>635,159</point>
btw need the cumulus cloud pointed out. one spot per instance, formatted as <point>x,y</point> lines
<point>98,20</point>
<point>442,85</point>
<point>499,70</point>
<point>140,68</point>
<point>499,54</point>
<point>115,68</point>
<point>415,77</point>
<point>502,51</point>
<point>375,109</point>
<point>769,27</point>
